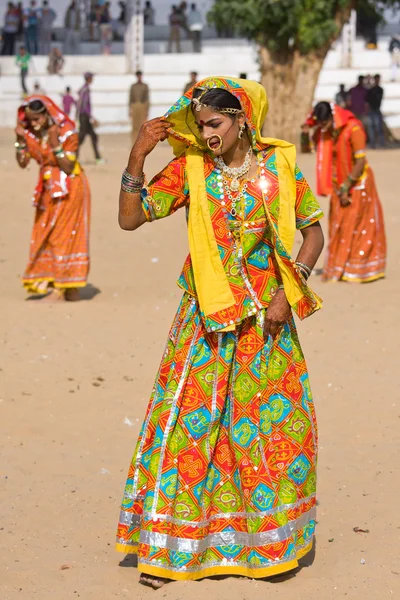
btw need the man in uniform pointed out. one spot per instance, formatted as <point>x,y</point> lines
<point>190,84</point>
<point>138,104</point>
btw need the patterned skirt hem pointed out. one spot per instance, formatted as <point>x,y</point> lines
<point>353,279</point>
<point>30,285</point>
<point>363,279</point>
<point>260,573</point>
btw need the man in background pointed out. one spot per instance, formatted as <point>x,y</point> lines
<point>394,49</point>
<point>375,119</point>
<point>190,84</point>
<point>10,30</point>
<point>357,96</point>
<point>85,118</point>
<point>341,96</point>
<point>23,60</point>
<point>175,22</point>
<point>72,24</point>
<point>139,103</point>
<point>31,19</point>
<point>47,16</point>
<point>195,25</point>
<point>149,13</point>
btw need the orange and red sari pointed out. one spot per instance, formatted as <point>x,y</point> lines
<point>59,249</point>
<point>357,242</point>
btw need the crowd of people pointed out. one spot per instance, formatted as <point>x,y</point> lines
<point>34,26</point>
<point>31,26</point>
<point>189,23</point>
<point>365,101</point>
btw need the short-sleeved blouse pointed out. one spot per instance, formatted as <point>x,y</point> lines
<point>244,241</point>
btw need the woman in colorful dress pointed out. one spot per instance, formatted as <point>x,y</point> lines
<point>357,242</point>
<point>59,251</point>
<point>223,477</point>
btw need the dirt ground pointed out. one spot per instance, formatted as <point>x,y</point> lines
<point>76,378</point>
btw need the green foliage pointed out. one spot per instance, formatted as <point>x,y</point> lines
<point>285,25</point>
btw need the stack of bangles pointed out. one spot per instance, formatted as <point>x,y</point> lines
<point>59,152</point>
<point>21,148</point>
<point>347,185</point>
<point>304,269</point>
<point>131,184</point>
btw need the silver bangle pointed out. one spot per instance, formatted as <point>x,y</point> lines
<point>304,267</point>
<point>131,189</point>
<point>128,178</point>
<point>131,184</point>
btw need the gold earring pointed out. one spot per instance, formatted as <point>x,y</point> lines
<point>241,132</point>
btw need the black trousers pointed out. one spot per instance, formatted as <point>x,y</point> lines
<point>8,48</point>
<point>86,128</point>
<point>24,73</point>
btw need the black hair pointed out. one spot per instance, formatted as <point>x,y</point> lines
<point>217,98</point>
<point>361,79</point>
<point>68,89</point>
<point>36,106</point>
<point>322,111</point>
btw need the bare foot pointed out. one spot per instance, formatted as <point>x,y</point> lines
<point>54,296</point>
<point>155,582</point>
<point>72,295</point>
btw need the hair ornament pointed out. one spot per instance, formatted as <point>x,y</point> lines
<point>199,105</point>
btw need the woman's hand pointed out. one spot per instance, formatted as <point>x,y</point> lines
<point>345,199</point>
<point>150,134</point>
<point>53,136</point>
<point>277,314</point>
<point>20,132</point>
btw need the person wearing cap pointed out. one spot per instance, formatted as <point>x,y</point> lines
<point>139,102</point>
<point>85,118</point>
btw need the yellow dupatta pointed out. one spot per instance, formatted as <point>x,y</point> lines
<point>212,286</point>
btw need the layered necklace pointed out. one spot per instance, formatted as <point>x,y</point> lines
<point>235,173</point>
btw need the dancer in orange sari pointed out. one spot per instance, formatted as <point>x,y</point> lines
<point>357,243</point>
<point>59,250</point>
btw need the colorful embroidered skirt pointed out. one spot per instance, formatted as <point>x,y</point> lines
<point>223,477</point>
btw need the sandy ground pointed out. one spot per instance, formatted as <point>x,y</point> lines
<point>75,380</point>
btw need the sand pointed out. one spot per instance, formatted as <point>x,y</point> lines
<point>76,378</point>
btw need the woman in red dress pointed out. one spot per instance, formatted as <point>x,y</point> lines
<point>357,243</point>
<point>59,249</point>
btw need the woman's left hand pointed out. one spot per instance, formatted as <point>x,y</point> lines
<point>53,136</point>
<point>277,314</point>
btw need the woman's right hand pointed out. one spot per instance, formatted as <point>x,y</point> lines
<point>151,132</point>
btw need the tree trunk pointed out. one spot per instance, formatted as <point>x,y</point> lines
<point>290,83</point>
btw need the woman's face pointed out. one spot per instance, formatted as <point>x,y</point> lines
<point>326,125</point>
<point>37,121</point>
<point>212,124</point>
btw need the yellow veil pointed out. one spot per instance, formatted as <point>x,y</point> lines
<point>212,286</point>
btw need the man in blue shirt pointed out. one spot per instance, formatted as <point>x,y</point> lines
<point>32,28</point>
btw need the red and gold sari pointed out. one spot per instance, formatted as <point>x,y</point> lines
<point>59,249</point>
<point>357,242</point>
